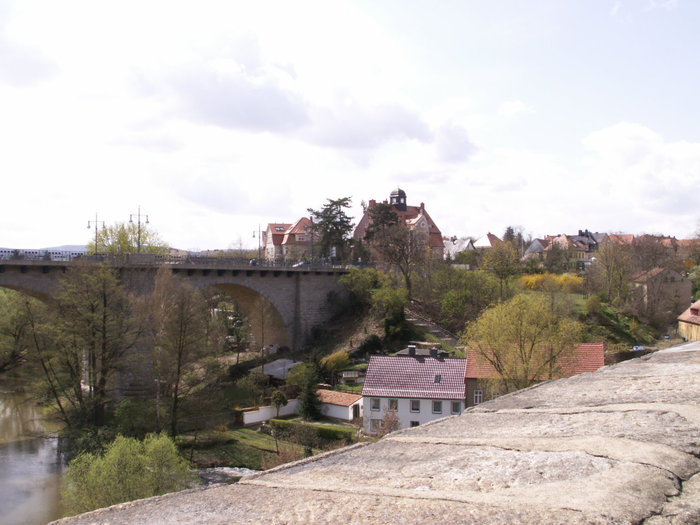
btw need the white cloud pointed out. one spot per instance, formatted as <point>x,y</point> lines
<point>513,108</point>
<point>453,143</point>
<point>653,183</point>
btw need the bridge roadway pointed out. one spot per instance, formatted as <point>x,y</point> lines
<point>282,303</point>
<point>619,445</point>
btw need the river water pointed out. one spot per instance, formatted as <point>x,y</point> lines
<point>30,465</point>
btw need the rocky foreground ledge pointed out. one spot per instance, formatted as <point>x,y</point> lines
<point>621,445</point>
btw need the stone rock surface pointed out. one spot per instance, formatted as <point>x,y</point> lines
<point>620,445</point>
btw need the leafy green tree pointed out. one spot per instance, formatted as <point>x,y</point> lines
<point>362,283</point>
<point>502,259</point>
<point>309,404</point>
<point>333,226</point>
<point>456,296</point>
<point>255,383</point>
<point>523,339</point>
<point>127,237</point>
<point>279,400</point>
<point>83,340</point>
<point>128,470</point>
<point>470,257</point>
<point>14,326</point>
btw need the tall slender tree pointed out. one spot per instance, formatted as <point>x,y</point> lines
<point>178,331</point>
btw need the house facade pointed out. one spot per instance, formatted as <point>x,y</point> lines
<point>689,323</point>
<point>662,290</point>
<point>415,389</point>
<point>289,242</point>
<point>416,219</point>
<point>483,382</point>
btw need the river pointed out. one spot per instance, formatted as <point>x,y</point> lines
<point>30,465</point>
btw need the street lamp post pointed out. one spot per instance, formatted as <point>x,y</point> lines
<point>259,235</point>
<point>97,223</point>
<point>138,222</point>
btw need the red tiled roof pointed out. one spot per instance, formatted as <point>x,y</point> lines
<point>415,377</point>
<point>586,357</point>
<point>302,226</point>
<point>277,229</point>
<point>688,317</point>
<point>646,275</point>
<point>333,397</point>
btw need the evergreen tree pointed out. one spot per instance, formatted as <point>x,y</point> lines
<point>333,226</point>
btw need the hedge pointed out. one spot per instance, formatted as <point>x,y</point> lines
<point>323,431</point>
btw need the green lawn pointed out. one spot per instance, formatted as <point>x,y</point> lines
<point>241,447</point>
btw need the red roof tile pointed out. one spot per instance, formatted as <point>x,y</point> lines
<point>688,316</point>
<point>333,397</point>
<point>415,377</point>
<point>586,357</point>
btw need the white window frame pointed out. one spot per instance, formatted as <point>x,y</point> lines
<point>437,406</point>
<point>478,397</point>
<point>375,401</point>
<point>457,404</point>
<point>415,411</point>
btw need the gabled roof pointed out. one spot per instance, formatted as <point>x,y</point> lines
<point>688,316</point>
<point>647,275</point>
<point>277,230</point>
<point>586,357</point>
<point>332,397</point>
<point>487,241</point>
<point>621,238</point>
<point>415,377</point>
<point>302,226</point>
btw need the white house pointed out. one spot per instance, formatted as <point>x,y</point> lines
<point>418,389</point>
<point>340,405</point>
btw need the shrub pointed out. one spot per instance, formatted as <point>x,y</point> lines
<point>129,469</point>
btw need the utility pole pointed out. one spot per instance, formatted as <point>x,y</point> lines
<point>97,223</point>
<point>131,219</point>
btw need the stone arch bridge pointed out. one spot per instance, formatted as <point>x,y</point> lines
<point>282,304</point>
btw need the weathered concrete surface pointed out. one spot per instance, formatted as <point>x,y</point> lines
<point>621,445</point>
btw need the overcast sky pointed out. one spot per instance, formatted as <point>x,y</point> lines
<point>217,117</point>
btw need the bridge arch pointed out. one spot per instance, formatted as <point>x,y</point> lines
<point>266,323</point>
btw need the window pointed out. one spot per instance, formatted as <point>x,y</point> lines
<point>415,405</point>
<point>394,404</point>
<point>478,397</point>
<point>374,403</point>
<point>456,407</point>
<point>414,423</point>
<point>375,425</point>
<point>437,407</point>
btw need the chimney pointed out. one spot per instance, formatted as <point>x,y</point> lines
<point>433,352</point>
<point>412,350</point>
<point>372,203</point>
<point>422,206</point>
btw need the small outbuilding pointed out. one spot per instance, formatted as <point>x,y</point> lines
<point>689,323</point>
<point>340,405</point>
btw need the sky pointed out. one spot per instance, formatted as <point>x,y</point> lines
<point>214,118</point>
